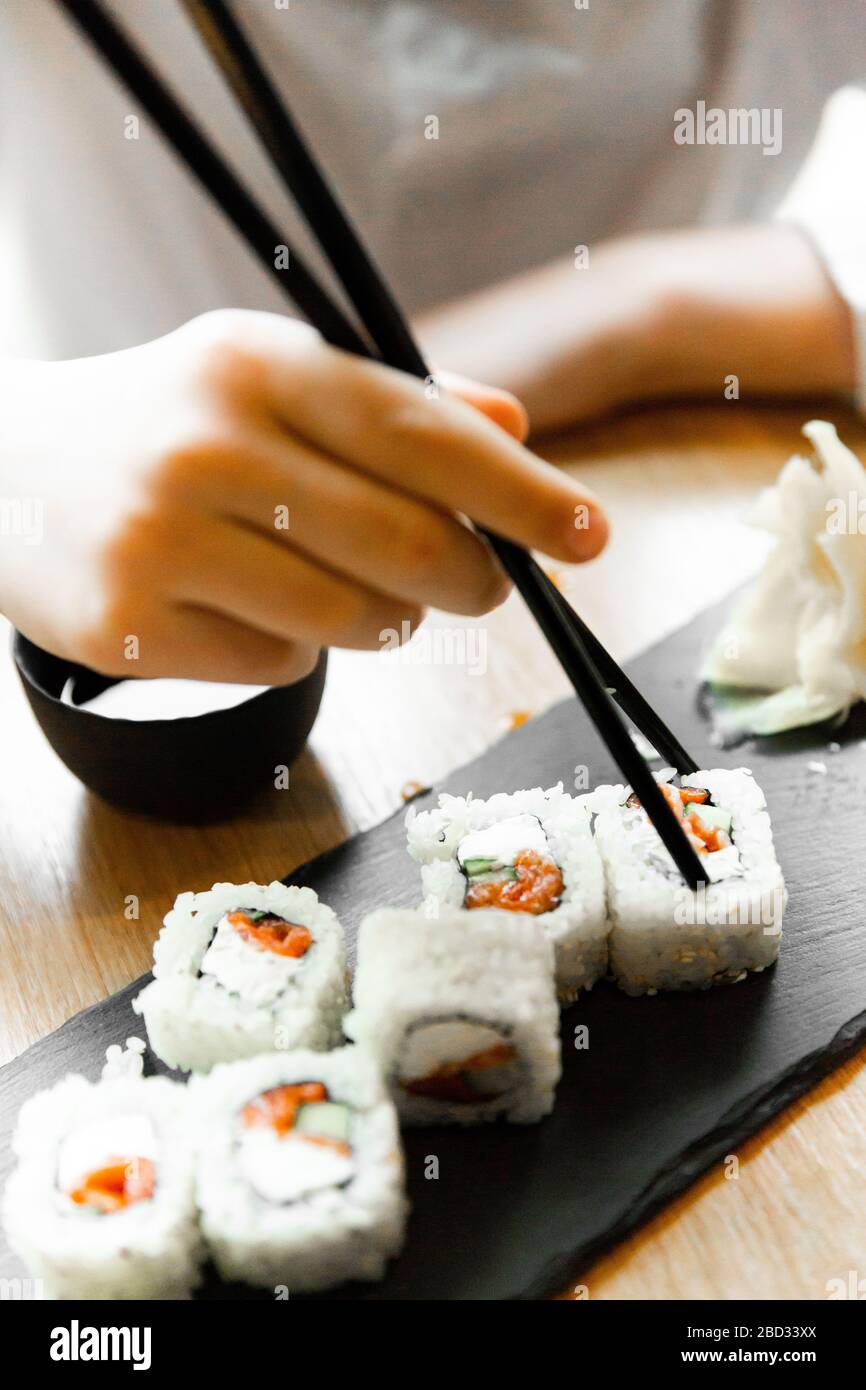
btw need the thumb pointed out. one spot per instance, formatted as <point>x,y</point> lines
<point>499,406</point>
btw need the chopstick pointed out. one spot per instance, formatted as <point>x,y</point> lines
<point>369,293</point>
<point>381,316</point>
<point>378,313</point>
<point>627,695</point>
<point>260,233</point>
<point>303,177</point>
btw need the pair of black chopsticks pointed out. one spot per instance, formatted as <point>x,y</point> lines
<point>590,668</point>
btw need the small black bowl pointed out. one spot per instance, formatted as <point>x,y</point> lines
<point>189,769</point>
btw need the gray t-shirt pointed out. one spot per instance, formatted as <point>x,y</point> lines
<point>471,139</point>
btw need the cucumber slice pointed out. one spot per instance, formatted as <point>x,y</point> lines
<point>473,867</point>
<point>505,875</point>
<point>325,1119</point>
<point>713,817</point>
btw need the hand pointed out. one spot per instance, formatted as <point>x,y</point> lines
<point>653,316</point>
<point>220,503</point>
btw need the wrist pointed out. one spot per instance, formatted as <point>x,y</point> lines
<point>750,301</point>
<point>645,319</point>
<point>666,340</point>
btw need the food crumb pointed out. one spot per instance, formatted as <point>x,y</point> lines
<point>126,1061</point>
<point>643,746</point>
<point>819,767</point>
<point>516,719</point>
<point>410,790</point>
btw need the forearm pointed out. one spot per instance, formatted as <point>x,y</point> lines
<point>570,342</point>
<point>653,316</point>
<point>754,302</point>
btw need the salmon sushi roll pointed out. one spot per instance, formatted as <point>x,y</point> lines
<point>460,1012</point>
<point>101,1204</point>
<point>530,852</point>
<point>244,969</point>
<point>300,1170</point>
<point>665,935</point>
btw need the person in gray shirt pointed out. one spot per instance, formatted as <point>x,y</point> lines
<point>582,204</point>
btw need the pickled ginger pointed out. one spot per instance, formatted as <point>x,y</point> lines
<point>793,651</point>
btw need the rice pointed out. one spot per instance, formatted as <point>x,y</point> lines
<point>149,1249</point>
<point>578,926</point>
<point>329,1235</point>
<point>423,986</point>
<point>667,936</point>
<point>194,1020</point>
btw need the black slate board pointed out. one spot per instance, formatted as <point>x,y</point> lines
<point>668,1086</point>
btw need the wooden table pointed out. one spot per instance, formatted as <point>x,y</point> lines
<point>676,482</point>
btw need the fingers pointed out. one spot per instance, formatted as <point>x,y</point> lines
<point>265,585</point>
<point>501,407</point>
<point>448,453</point>
<point>381,422</point>
<point>192,642</point>
<point>355,526</point>
<point>200,644</point>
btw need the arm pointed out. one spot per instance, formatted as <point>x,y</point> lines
<point>668,314</point>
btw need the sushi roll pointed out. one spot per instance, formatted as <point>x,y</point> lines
<point>101,1204</point>
<point>460,1012</point>
<point>244,969</point>
<point>665,935</point>
<point>300,1171</point>
<point>529,852</point>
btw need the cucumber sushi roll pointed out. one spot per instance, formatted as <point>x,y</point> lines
<point>102,1202</point>
<point>665,935</point>
<point>460,1011</point>
<point>244,969</point>
<point>300,1171</point>
<point>529,852</point>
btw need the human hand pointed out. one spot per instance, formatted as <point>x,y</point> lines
<point>222,502</point>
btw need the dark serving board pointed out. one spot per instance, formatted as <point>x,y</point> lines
<point>668,1086</point>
